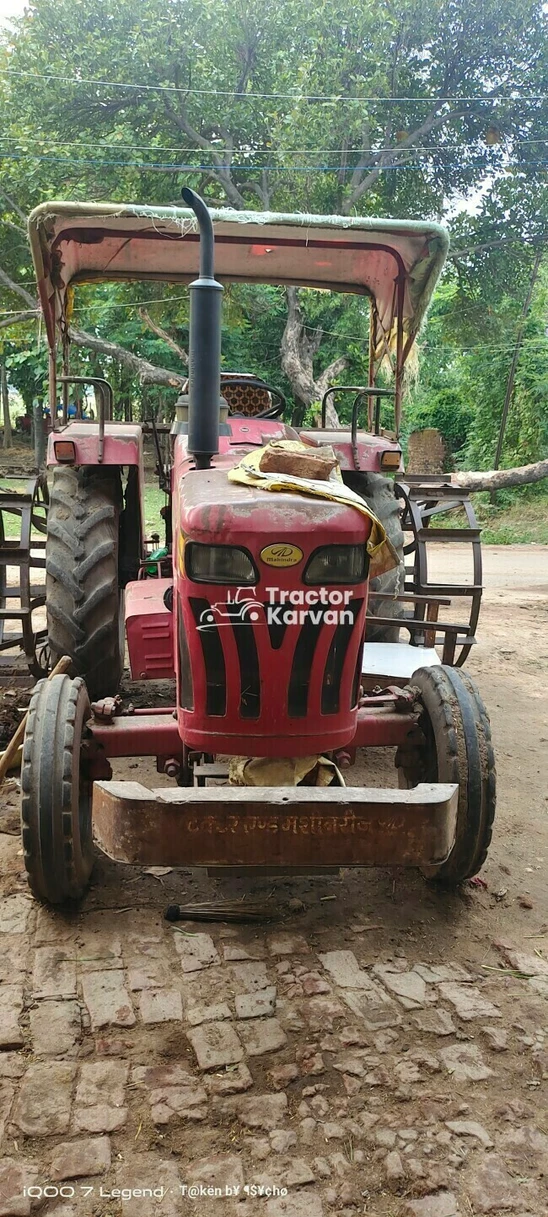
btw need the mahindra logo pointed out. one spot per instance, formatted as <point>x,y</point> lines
<point>320,605</point>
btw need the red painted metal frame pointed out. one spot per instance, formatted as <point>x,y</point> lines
<point>382,727</point>
<point>123,443</point>
<point>156,733</point>
<point>149,734</point>
<point>149,629</point>
<point>364,455</point>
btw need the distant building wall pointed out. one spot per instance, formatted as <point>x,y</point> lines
<point>427,452</point>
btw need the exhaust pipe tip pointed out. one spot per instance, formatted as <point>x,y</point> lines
<point>205,224</point>
<point>204,364</point>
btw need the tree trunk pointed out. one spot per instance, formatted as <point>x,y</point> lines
<point>39,438</point>
<point>297,352</point>
<point>8,438</point>
<point>502,479</point>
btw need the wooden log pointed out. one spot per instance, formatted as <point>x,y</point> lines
<point>501,479</point>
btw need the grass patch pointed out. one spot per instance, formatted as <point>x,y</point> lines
<point>523,521</point>
<point>12,523</point>
<point>519,517</point>
<point>155,499</point>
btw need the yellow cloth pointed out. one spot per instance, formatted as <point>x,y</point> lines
<point>282,771</point>
<point>382,554</point>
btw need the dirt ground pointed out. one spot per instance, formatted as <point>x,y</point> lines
<point>376,1047</point>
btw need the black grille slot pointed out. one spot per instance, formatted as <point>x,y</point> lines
<point>357,677</point>
<point>276,630</point>
<point>250,680</point>
<point>186,692</point>
<point>214,660</point>
<point>331,688</point>
<point>297,700</point>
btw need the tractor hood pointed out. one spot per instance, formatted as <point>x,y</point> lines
<point>387,260</point>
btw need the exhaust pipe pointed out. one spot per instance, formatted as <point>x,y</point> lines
<point>204,362</point>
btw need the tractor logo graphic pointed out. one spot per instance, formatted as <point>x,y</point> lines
<point>244,608</point>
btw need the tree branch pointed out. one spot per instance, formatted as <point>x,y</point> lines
<point>393,156</point>
<point>11,224</point>
<point>248,56</point>
<point>147,372</point>
<point>219,174</point>
<point>295,357</point>
<point>15,207</point>
<point>17,318</point>
<point>331,373</point>
<point>157,329</point>
<point>19,290</point>
<point>476,249</point>
<point>297,353</point>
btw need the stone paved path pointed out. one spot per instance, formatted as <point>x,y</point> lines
<point>327,1069</point>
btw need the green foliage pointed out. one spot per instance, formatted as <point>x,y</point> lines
<point>466,355</point>
<point>445,410</point>
<point>28,370</point>
<point>520,516</point>
<point>181,102</point>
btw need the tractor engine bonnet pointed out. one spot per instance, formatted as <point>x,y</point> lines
<point>268,665</point>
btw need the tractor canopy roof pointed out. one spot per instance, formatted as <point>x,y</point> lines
<point>394,262</point>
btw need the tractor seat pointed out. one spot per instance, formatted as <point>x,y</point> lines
<point>247,399</point>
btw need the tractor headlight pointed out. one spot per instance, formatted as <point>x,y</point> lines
<point>219,564</point>
<point>337,564</point>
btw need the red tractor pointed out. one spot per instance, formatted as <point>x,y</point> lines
<point>263,614</point>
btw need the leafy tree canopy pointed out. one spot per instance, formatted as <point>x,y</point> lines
<point>381,108</point>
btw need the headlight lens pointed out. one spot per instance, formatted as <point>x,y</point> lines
<point>219,564</point>
<point>337,564</point>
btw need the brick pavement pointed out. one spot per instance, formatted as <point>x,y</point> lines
<point>136,1054</point>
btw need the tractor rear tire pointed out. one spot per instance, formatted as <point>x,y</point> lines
<point>378,492</point>
<point>452,743</point>
<point>83,601</point>
<point>56,792</point>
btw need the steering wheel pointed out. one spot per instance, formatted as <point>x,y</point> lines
<point>254,382</point>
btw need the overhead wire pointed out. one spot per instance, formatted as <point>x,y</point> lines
<point>201,168</point>
<point>246,151</point>
<point>252,95</point>
<point>444,347</point>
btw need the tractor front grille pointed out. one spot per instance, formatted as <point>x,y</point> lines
<point>272,678</point>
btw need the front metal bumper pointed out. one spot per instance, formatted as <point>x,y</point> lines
<point>282,827</point>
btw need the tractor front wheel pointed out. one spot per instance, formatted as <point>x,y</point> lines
<point>83,599</point>
<point>452,743</point>
<point>56,792</point>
